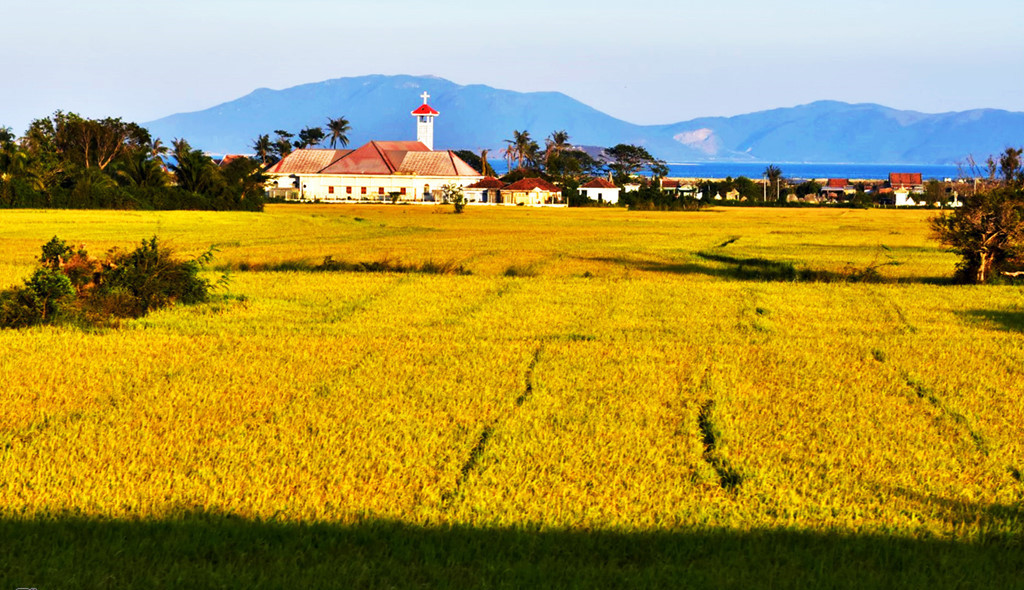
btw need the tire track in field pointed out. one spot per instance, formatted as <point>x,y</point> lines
<point>925,392</point>
<point>489,298</point>
<point>355,306</point>
<point>469,467</point>
<point>922,390</point>
<point>710,432</point>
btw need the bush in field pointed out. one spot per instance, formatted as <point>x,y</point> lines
<point>72,286</point>
<point>452,193</point>
<point>43,299</point>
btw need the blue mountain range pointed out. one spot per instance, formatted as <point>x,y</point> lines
<point>476,116</point>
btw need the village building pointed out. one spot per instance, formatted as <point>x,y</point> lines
<point>384,171</point>
<point>601,190</point>
<point>901,188</point>
<point>487,190</point>
<point>837,189</point>
<point>531,191</point>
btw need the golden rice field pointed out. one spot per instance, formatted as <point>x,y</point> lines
<point>598,376</point>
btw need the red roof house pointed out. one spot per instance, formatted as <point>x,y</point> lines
<point>531,191</point>
<point>907,180</point>
<point>603,190</point>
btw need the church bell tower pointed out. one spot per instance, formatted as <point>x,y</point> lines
<point>425,122</point>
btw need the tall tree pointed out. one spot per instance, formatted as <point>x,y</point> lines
<point>773,174</point>
<point>526,149</point>
<point>264,148</point>
<point>628,159</point>
<point>139,168</point>
<point>338,130</point>
<point>157,151</point>
<point>557,142</point>
<point>283,144</point>
<point>309,137</point>
<point>87,143</point>
<point>1010,166</point>
<point>193,170</point>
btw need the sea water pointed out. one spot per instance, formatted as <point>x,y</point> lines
<point>805,171</point>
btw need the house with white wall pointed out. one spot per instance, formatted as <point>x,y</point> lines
<point>600,190</point>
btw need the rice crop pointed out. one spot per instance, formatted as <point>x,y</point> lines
<point>625,386</point>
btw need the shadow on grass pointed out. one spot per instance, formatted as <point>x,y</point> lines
<point>764,270</point>
<point>211,550</point>
<point>1011,321</point>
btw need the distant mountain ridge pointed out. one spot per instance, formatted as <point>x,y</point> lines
<point>478,116</point>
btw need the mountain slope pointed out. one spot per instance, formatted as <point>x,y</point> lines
<point>477,116</point>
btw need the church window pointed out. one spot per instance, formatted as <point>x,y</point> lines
<point>348,190</point>
<point>330,190</point>
<point>380,191</point>
<point>362,190</point>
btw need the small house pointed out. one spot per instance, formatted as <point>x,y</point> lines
<point>600,190</point>
<point>531,191</point>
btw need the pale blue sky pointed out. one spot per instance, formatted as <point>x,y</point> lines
<point>646,61</point>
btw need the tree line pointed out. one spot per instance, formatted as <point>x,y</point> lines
<point>70,161</point>
<point>270,151</point>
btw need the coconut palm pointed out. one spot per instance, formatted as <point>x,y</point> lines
<point>263,147</point>
<point>338,129</point>
<point>773,174</point>
<point>522,148</point>
<point>193,170</point>
<point>483,161</point>
<point>555,143</point>
<point>510,151</point>
<point>139,168</point>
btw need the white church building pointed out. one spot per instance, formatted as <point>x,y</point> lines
<point>386,171</point>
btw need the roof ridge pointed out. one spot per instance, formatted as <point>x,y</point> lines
<point>338,155</point>
<point>387,161</point>
<point>451,158</point>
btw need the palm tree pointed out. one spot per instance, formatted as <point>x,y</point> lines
<point>774,174</point>
<point>510,151</point>
<point>338,129</point>
<point>263,147</point>
<point>140,168</point>
<point>485,168</point>
<point>193,170</point>
<point>555,143</point>
<point>521,149</point>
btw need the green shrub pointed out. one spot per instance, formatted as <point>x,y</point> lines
<point>71,286</point>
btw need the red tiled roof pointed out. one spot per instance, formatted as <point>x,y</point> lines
<point>425,110</point>
<point>488,182</point>
<point>307,161</point>
<point>435,164</point>
<point>838,183</point>
<point>605,183</point>
<point>665,183</point>
<point>376,157</point>
<point>529,184</point>
<point>904,178</point>
<point>228,158</point>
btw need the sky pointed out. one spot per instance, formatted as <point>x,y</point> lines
<point>645,61</point>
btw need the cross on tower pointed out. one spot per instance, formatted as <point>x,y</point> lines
<point>424,96</point>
